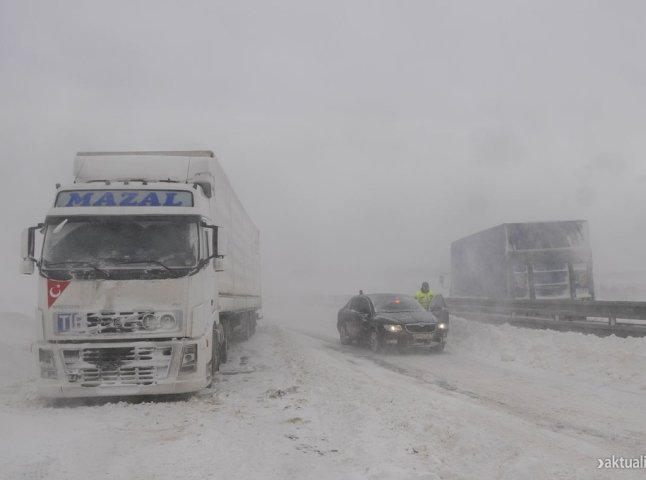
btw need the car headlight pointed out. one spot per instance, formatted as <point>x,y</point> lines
<point>393,328</point>
<point>442,326</point>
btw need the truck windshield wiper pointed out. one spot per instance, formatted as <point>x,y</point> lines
<point>148,260</point>
<point>78,263</point>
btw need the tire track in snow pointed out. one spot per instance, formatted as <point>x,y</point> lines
<point>548,419</point>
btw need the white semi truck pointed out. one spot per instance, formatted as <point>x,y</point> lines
<point>149,266</point>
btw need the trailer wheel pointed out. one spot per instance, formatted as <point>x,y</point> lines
<point>247,328</point>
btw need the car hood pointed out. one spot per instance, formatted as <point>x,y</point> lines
<point>406,317</point>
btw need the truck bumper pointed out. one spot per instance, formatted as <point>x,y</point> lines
<point>57,390</point>
<point>74,370</point>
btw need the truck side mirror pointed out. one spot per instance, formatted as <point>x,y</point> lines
<point>218,264</point>
<point>27,243</point>
<point>27,266</point>
<point>220,239</point>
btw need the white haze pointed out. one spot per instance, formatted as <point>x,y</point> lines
<point>362,137</point>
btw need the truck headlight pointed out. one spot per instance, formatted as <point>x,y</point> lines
<point>442,326</point>
<point>393,328</point>
<point>167,321</point>
<point>189,359</point>
<point>150,322</point>
<point>47,363</point>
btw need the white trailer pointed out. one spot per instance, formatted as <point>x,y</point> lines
<point>149,266</point>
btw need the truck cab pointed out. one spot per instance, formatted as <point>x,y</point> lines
<point>131,271</point>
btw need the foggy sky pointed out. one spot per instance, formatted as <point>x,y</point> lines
<point>362,136</point>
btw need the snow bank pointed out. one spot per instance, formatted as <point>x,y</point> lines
<point>602,359</point>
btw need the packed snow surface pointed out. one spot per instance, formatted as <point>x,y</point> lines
<point>500,403</point>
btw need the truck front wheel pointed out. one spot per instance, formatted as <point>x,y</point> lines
<point>215,354</point>
<point>224,351</point>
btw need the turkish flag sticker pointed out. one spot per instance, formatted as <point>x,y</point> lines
<point>54,290</point>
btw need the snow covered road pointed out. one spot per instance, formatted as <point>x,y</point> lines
<point>501,402</point>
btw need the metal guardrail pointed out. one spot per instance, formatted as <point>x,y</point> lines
<point>590,316</point>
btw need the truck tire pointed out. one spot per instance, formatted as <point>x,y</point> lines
<point>247,330</point>
<point>214,364</point>
<point>215,354</point>
<point>224,351</point>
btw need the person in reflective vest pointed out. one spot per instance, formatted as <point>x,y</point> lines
<point>424,296</point>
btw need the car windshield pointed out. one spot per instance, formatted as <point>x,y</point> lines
<point>124,242</point>
<point>395,303</point>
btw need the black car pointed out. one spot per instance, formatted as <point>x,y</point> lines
<point>384,320</point>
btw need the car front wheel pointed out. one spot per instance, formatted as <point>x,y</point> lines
<point>375,341</point>
<point>439,348</point>
<point>344,335</point>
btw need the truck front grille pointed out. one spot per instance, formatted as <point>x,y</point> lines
<point>93,377</point>
<point>107,356</point>
<point>92,367</point>
<point>420,327</point>
<point>115,322</point>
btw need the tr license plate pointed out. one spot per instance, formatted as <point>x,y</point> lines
<point>422,336</point>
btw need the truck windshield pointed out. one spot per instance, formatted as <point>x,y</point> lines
<point>103,244</point>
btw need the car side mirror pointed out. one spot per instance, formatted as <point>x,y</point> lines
<point>437,304</point>
<point>439,309</point>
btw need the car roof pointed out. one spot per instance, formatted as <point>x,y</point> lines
<point>377,296</point>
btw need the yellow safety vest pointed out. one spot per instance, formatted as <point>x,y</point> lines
<point>424,298</point>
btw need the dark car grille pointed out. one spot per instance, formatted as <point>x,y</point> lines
<point>91,367</point>
<point>420,327</point>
